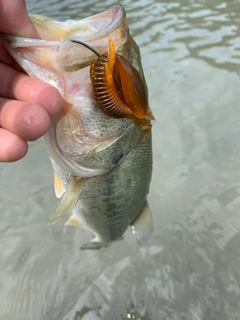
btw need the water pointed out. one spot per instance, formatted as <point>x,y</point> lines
<point>189,270</point>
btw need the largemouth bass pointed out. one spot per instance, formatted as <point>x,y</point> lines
<point>101,154</point>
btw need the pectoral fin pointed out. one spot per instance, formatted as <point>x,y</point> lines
<point>142,225</point>
<point>58,185</point>
<point>68,201</point>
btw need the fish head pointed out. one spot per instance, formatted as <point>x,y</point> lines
<point>82,139</point>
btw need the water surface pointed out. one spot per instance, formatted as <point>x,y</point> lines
<point>190,267</point>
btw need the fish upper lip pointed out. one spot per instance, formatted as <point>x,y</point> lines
<point>101,26</point>
<point>116,14</point>
<point>111,19</point>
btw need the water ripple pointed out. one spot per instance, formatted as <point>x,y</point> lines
<point>189,270</point>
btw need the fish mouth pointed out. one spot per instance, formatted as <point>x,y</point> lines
<point>85,146</point>
<point>95,31</point>
<point>96,26</point>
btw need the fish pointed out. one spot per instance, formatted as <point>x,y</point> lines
<point>101,154</point>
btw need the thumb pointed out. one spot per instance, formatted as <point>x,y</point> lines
<point>14,19</point>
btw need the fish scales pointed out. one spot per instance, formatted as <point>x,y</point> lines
<point>102,166</point>
<point>110,201</point>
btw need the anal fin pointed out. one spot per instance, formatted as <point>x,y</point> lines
<point>142,225</point>
<point>68,201</point>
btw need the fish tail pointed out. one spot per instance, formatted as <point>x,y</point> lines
<point>95,244</point>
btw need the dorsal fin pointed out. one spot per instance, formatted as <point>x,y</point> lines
<point>142,225</point>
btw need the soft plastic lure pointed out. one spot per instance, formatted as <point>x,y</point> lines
<point>118,87</point>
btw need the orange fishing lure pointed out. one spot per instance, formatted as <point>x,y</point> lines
<point>119,89</point>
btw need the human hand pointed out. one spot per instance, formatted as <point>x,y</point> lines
<point>26,104</point>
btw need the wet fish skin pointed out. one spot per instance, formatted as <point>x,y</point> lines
<point>118,197</point>
<point>99,161</point>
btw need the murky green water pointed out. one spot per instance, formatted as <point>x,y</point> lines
<point>189,270</point>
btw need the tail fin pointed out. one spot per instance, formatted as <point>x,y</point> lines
<point>94,245</point>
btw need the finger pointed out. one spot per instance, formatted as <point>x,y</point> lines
<point>12,148</point>
<point>28,120</point>
<point>7,58</point>
<point>15,20</point>
<point>19,86</point>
